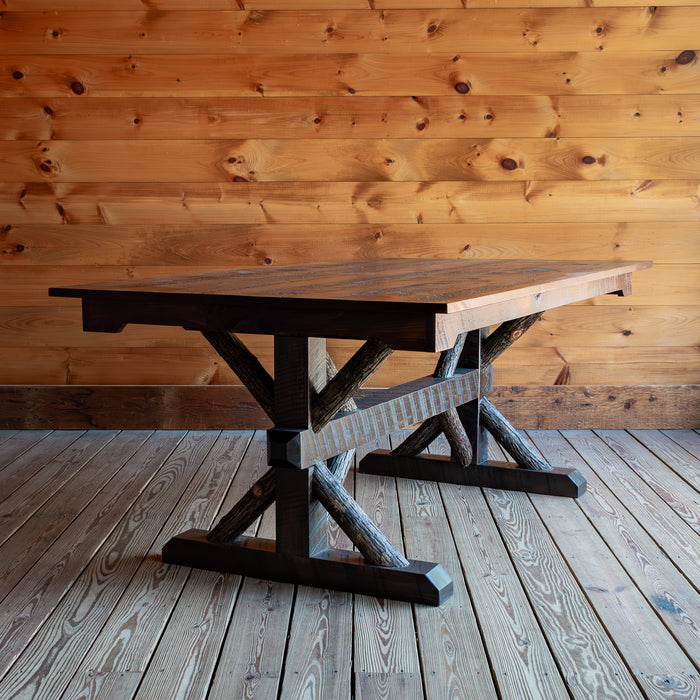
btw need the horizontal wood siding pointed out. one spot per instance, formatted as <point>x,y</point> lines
<point>192,136</point>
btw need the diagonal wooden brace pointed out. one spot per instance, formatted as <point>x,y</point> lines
<point>365,535</point>
<point>356,524</point>
<point>339,466</point>
<point>448,422</point>
<point>451,425</point>
<point>357,370</point>
<point>506,436</point>
<point>496,343</point>
<point>248,368</point>
<point>419,439</point>
<point>504,336</point>
<point>261,494</point>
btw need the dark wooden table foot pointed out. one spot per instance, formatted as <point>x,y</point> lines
<point>497,475</point>
<point>419,582</point>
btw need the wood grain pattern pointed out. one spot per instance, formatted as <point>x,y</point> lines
<point>192,645</point>
<point>154,588</point>
<point>670,593</point>
<point>459,672</point>
<point>585,118</point>
<point>631,201</point>
<point>21,503</point>
<point>320,645</point>
<point>679,460</point>
<point>358,160</point>
<point>24,448</point>
<point>206,407</point>
<point>668,529</point>
<point>581,407</point>
<point>681,497</point>
<point>526,668</point>
<point>349,31</point>
<point>138,246</point>
<point>24,543</point>
<point>136,5</point>
<point>371,74</point>
<point>199,366</point>
<point>611,603</point>
<point>688,439</point>
<point>592,667</point>
<point>321,117</point>
<point>83,536</point>
<point>28,285</point>
<point>436,286</point>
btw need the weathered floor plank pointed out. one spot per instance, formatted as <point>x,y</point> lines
<point>21,441</point>
<point>688,439</point>
<point>119,658</point>
<point>386,662</point>
<point>68,561</point>
<point>319,654</point>
<point>590,664</point>
<point>589,598</point>
<point>676,457</point>
<point>5,435</point>
<point>668,592</point>
<point>21,458</point>
<point>682,498</point>
<point>25,501</point>
<point>453,658</point>
<point>521,662</point>
<point>21,550</point>
<point>672,533</point>
<point>650,651</point>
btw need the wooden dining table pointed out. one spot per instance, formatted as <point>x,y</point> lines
<point>320,416</point>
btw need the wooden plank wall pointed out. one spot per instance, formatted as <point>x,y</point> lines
<point>147,138</point>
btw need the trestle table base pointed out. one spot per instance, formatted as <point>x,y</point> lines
<point>498,475</point>
<point>419,582</point>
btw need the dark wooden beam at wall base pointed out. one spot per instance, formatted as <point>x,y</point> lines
<point>419,582</point>
<point>200,407</point>
<point>498,475</point>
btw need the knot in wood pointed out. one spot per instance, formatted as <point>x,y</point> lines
<point>515,334</point>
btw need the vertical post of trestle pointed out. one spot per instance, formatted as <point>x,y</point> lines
<point>300,373</point>
<point>469,413</point>
<point>292,503</point>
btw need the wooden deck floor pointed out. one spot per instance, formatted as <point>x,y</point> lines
<point>554,598</point>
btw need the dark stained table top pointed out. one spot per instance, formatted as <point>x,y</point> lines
<point>355,298</point>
